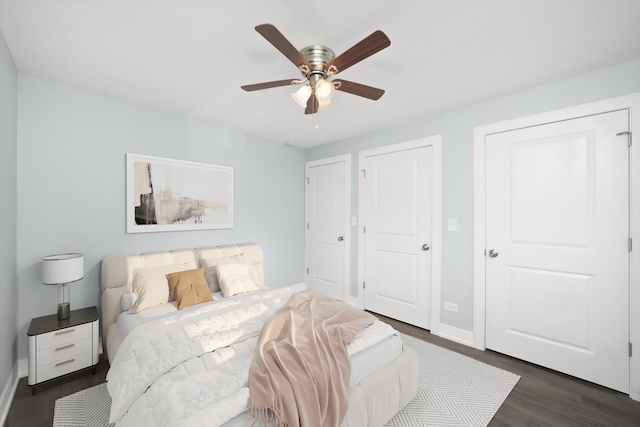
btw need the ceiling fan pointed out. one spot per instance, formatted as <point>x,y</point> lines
<point>317,63</point>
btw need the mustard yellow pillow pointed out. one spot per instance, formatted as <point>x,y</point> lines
<point>151,287</point>
<point>190,287</point>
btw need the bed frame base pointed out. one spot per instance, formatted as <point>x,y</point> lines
<point>378,397</point>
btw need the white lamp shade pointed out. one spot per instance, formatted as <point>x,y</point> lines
<point>324,90</point>
<point>324,104</point>
<point>62,268</point>
<point>302,95</point>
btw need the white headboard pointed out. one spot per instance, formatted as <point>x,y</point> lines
<point>117,271</point>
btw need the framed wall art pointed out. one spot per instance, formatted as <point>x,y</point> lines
<point>175,195</point>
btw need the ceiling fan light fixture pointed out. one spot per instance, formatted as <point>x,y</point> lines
<point>302,95</point>
<point>324,104</point>
<point>324,90</point>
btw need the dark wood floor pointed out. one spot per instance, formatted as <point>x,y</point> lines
<point>37,411</point>
<point>542,398</point>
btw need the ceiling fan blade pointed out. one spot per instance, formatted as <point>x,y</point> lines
<point>312,104</point>
<point>358,89</point>
<point>267,85</point>
<point>280,42</point>
<point>362,50</point>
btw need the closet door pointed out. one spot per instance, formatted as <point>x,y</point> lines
<point>327,229</point>
<point>397,234</point>
<point>557,230</point>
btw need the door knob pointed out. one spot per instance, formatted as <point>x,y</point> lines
<point>493,253</point>
<point>340,239</point>
<point>425,247</point>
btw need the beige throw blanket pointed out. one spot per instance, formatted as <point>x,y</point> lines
<point>299,375</point>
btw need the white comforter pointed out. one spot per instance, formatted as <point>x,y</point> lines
<point>191,369</point>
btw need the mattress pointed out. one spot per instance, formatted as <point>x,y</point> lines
<point>372,348</point>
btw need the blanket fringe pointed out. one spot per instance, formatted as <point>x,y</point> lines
<point>267,416</point>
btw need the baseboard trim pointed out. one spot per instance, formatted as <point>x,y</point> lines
<point>23,367</point>
<point>297,287</point>
<point>352,301</point>
<point>456,334</point>
<point>6,398</point>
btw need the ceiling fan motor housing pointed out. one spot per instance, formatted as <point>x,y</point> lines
<point>318,56</point>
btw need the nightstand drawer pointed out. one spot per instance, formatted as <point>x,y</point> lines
<point>64,351</point>
<point>64,366</point>
<point>64,336</point>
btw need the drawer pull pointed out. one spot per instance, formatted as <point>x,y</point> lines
<point>66,331</point>
<point>65,362</point>
<point>65,347</point>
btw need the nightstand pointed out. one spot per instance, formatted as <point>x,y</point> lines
<point>60,347</point>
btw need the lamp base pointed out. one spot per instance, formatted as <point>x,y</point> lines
<point>64,306</point>
<point>64,309</point>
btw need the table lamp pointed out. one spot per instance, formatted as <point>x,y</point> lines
<point>62,269</point>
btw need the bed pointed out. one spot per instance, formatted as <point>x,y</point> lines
<point>384,373</point>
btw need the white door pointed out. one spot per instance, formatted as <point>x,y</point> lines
<point>557,264</point>
<point>327,228</point>
<point>397,235</point>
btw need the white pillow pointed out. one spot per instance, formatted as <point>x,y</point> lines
<point>235,279</point>
<point>128,300</point>
<point>210,266</point>
<point>151,285</point>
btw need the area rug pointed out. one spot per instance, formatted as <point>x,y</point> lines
<point>453,390</point>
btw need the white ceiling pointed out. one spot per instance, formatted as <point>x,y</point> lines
<point>191,57</point>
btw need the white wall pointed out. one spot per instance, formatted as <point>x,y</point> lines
<point>8,188</point>
<point>71,188</point>
<point>456,128</point>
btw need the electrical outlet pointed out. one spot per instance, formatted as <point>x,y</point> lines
<point>451,306</point>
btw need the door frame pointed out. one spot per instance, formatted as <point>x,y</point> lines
<point>346,158</point>
<point>630,102</point>
<point>436,207</point>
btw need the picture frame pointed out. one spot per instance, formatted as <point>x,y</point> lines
<point>176,195</point>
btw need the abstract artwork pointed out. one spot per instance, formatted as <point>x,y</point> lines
<point>173,195</point>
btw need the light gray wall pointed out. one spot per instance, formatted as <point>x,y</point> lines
<point>456,128</point>
<point>8,188</point>
<point>71,149</point>
<point>71,188</point>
